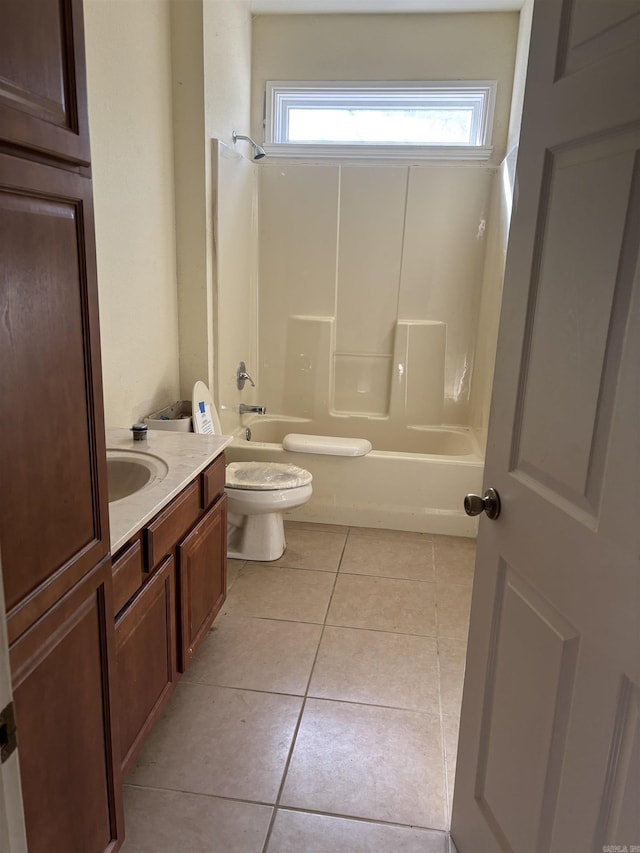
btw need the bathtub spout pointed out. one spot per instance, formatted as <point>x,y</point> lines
<point>256,410</point>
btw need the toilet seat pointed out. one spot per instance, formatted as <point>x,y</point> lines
<point>266,476</point>
<point>258,493</point>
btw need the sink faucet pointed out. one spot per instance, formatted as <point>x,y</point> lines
<point>257,410</point>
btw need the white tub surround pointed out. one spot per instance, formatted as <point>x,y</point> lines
<point>185,455</point>
<point>369,306</point>
<point>419,488</point>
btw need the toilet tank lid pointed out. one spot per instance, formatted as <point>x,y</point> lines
<point>266,476</point>
<point>326,444</point>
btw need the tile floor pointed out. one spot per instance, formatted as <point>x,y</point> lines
<point>321,713</point>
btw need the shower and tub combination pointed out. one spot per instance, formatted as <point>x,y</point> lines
<point>389,470</point>
<point>370,314</point>
<point>418,488</point>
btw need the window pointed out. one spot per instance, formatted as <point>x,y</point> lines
<point>423,120</point>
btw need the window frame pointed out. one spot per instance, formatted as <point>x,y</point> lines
<point>282,95</point>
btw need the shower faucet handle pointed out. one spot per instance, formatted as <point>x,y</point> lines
<point>242,376</point>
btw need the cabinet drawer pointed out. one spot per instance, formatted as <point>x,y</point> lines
<point>213,479</point>
<point>145,659</point>
<point>163,534</point>
<point>127,575</point>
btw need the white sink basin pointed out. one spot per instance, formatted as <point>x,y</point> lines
<point>130,471</point>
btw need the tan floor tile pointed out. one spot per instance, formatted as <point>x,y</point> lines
<point>215,740</point>
<point>301,832</point>
<point>256,654</point>
<point>363,761</point>
<point>451,658</point>
<point>383,604</point>
<point>234,567</point>
<point>392,558</point>
<point>310,549</point>
<point>377,668</point>
<point>455,559</point>
<point>394,535</point>
<point>451,726</point>
<point>171,821</point>
<point>274,592</point>
<point>453,604</point>
<point>317,526</point>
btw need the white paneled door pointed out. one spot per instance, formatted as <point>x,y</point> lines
<point>549,755</point>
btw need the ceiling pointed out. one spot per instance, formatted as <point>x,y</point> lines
<point>315,7</point>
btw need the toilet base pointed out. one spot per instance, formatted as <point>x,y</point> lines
<point>259,538</point>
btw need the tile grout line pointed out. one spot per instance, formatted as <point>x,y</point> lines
<point>294,739</point>
<point>447,816</point>
<point>440,712</point>
<point>367,820</point>
<point>276,807</point>
<point>232,616</point>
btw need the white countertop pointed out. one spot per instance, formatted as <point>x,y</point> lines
<point>185,453</point>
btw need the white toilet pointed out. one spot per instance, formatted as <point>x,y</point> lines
<point>257,492</point>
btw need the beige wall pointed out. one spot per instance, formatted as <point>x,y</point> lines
<point>232,207</point>
<point>211,93</point>
<point>387,47</point>
<point>128,67</point>
<point>190,152</point>
<point>165,76</point>
<point>520,73</point>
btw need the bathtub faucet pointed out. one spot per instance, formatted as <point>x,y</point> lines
<point>256,410</point>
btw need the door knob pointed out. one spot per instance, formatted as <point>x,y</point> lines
<point>489,503</point>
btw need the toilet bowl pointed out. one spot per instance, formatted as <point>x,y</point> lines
<point>257,493</point>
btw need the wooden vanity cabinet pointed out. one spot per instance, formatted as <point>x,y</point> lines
<point>202,574</point>
<point>169,583</point>
<point>146,658</point>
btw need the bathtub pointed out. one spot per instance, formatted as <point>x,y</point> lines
<point>420,487</point>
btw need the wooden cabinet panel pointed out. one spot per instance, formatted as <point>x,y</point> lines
<point>163,533</point>
<point>54,519</point>
<point>61,677</point>
<point>127,575</point>
<point>213,478</point>
<point>43,79</point>
<point>146,659</point>
<point>202,578</point>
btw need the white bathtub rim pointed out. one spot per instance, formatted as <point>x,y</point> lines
<point>434,521</point>
<point>469,432</point>
<point>461,459</point>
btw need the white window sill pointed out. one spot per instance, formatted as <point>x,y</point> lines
<point>377,153</point>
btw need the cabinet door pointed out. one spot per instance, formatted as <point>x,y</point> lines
<point>61,676</point>
<point>146,659</point>
<point>54,510</point>
<point>202,578</point>
<point>43,79</point>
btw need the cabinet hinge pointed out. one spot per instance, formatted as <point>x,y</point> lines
<point>8,732</point>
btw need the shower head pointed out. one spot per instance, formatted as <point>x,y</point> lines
<point>258,150</point>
